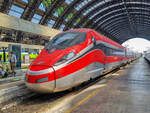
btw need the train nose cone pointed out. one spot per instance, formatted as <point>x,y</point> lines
<point>47,87</point>
<point>41,81</point>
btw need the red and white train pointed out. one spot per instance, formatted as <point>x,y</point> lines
<point>147,55</point>
<point>73,57</point>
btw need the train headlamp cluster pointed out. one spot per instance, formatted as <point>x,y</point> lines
<point>42,79</point>
<point>65,58</point>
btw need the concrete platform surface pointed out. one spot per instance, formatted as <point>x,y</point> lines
<point>126,93</point>
<point>20,74</point>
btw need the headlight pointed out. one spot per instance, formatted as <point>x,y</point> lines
<point>42,79</point>
<point>69,56</point>
<point>65,58</point>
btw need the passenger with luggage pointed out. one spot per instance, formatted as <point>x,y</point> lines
<point>3,70</point>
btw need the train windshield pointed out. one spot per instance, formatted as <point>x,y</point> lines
<point>65,40</point>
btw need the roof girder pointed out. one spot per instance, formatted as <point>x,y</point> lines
<point>114,20</point>
<point>30,9</point>
<point>117,19</point>
<point>99,17</point>
<point>49,11</point>
<point>118,28</point>
<point>6,5</point>
<point>91,3</point>
<point>116,25</point>
<point>66,12</point>
<point>103,7</point>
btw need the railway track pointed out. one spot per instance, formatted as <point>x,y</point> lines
<point>32,102</point>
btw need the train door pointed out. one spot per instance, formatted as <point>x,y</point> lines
<point>104,57</point>
<point>97,66</point>
<point>107,59</point>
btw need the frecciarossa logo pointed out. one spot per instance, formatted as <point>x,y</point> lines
<point>41,62</point>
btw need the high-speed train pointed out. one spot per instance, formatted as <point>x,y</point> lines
<point>147,55</point>
<point>73,57</point>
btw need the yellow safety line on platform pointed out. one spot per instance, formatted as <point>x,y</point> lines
<point>83,100</point>
<point>6,84</point>
<point>89,96</point>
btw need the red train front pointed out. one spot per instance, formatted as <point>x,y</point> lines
<point>71,58</point>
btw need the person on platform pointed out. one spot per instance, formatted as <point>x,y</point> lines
<point>13,62</point>
<point>3,68</point>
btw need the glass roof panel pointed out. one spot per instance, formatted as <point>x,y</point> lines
<point>77,21</point>
<point>16,11</point>
<point>69,1</point>
<point>46,3</point>
<point>59,11</point>
<point>16,8</point>
<point>26,1</point>
<point>41,7</point>
<point>79,6</point>
<point>51,23</point>
<point>62,27</point>
<point>69,17</point>
<point>12,13</point>
<point>36,18</point>
<point>93,7</point>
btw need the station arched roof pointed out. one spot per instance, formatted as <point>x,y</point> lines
<point>119,20</point>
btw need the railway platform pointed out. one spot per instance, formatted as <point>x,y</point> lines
<point>20,73</point>
<point>124,93</point>
<point>10,87</point>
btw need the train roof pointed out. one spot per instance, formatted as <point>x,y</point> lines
<point>103,38</point>
<point>80,30</point>
<point>108,40</point>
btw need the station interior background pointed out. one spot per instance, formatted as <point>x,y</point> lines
<point>26,26</point>
<point>118,20</point>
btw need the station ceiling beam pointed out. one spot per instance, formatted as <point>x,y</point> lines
<point>5,5</point>
<point>104,6</point>
<point>26,26</point>
<point>105,16</point>
<point>80,12</point>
